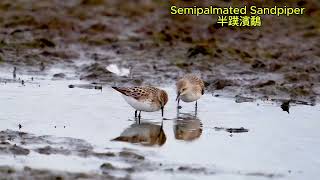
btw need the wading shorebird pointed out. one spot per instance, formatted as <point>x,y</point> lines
<point>148,99</point>
<point>189,89</point>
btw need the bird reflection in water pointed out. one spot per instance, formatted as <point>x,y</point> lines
<point>187,127</point>
<point>145,133</point>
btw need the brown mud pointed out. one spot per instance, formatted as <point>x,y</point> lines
<point>279,60</point>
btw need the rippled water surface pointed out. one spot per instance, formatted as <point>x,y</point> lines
<point>276,145</point>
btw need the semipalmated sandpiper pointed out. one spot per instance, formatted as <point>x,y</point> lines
<point>148,99</point>
<point>189,89</point>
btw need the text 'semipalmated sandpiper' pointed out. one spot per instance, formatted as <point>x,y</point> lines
<point>147,98</point>
<point>189,88</point>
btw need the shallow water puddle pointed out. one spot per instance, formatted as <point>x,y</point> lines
<point>266,142</point>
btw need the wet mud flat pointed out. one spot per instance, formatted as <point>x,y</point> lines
<point>90,133</point>
<point>50,145</point>
<point>86,36</point>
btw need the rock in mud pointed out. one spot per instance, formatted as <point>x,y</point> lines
<point>104,155</point>
<point>199,49</point>
<point>41,43</point>
<point>47,150</point>
<point>7,148</point>
<point>258,64</point>
<point>267,83</point>
<point>59,76</point>
<point>96,71</point>
<point>7,172</point>
<point>221,84</point>
<point>131,155</point>
<point>107,166</point>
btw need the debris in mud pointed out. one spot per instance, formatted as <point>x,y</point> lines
<point>232,130</point>
<point>131,155</point>
<point>103,154</point>
<point>7,148</point>
<point>30,173</point>
<point>40,43</point>
<point>237,130</point>
<point>183,64</point>
<point>198,49</point>
<point>258,64</point>
<point>267,83</point>
<point>107,166</point>
<point>266,175</point>
<point>86,86</point>
<point>62,54</point>
<point>59,76</point>
<point>120,71</point>
<point>47,150</point>
<point>293,101</point>
<point>285,106</point>
<point>221,84</point>
<point>192,169</point>
<point>275,67</point>
<point>97,71</point>
<point>242,99</point>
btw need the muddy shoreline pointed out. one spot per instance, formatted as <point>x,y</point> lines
<point>270,62</point>
<point>18,143</point>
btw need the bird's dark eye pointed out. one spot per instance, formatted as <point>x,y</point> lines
<point>183,89</point>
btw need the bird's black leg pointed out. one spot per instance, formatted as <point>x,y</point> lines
<point>196,107</point>
<point>139,117</point>
<point>178,106</point>
<point>135,113</point>
<point>162,111</point>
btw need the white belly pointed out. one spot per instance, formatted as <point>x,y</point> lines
<point>190,97</point>
<point>141,106</point>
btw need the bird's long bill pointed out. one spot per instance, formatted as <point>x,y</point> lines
<point>178,95</point>
<point>162,111</point>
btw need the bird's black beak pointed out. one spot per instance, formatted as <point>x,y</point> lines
<point>178,95</point>
<point>162,111</point>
